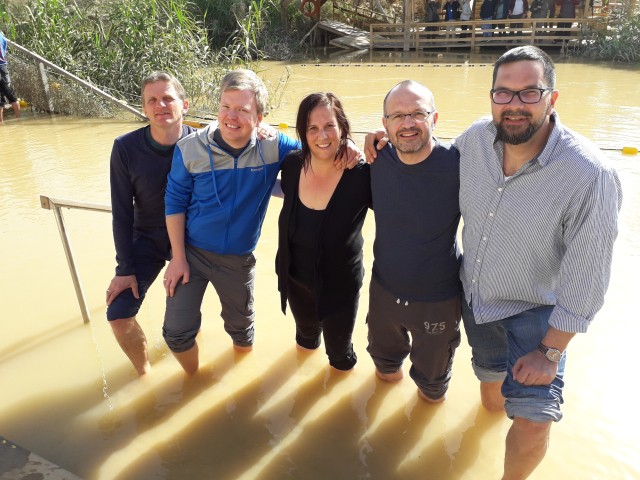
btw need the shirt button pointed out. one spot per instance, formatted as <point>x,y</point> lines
<point>500,189</point>
<point>484,238</point>
<point>477,260</point>
<point>491,214</point>
<point>473,280</point>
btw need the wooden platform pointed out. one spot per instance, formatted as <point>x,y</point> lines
<point>465,35</point>
<point>470,35</point>
<point>346,36</point>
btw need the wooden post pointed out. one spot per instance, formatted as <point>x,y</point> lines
<point>407,6</point>
<point>44,83</point>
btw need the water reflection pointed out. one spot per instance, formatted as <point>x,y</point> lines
<point>276,413</point>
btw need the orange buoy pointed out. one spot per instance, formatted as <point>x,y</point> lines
<point>310,8</point>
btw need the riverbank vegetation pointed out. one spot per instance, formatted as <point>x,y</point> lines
<point>113,44</point>
<point>619,42</point>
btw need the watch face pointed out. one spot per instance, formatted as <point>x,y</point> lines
<point>553,355</point>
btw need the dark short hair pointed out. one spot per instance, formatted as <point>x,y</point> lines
<point>160,76</point>
<point>530,53</point>
<point>302,121</point>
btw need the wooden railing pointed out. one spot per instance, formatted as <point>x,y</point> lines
<point>478,33</point>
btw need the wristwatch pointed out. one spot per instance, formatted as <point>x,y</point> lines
<point>552,354</point>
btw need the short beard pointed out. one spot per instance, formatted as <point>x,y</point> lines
<point>516,138</point>
<point>414,148</point>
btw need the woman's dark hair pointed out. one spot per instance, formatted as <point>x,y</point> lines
<point>302,122</point>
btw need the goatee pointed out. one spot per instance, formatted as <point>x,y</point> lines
<point>512,137</point>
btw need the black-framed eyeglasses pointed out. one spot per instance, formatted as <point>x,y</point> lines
<point>502,96</point>
<point>418,117</point>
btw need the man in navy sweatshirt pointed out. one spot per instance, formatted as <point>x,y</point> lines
<point>140,162</point>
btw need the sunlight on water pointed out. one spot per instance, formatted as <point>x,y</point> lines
<point>70,395</point>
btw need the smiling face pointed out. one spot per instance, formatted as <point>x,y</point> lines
<point>413,139</point>
<point>323,133</point>
<point>517,122</point>
<point>162,105</point>
<point>238,116</point>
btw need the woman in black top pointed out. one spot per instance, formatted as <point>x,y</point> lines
<point>319,260</point>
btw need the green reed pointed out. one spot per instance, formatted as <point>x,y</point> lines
<point>115,44</point>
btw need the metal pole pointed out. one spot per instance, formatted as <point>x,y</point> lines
<point>72,265</point>
<point>55,205</point>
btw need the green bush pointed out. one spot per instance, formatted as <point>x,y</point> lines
<point>619,42</point>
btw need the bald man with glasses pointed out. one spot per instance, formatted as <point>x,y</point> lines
<point>414,296</point>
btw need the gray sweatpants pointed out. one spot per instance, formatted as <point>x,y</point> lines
<point>429,332</point>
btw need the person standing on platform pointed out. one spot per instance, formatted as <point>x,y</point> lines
<point>567,10</point>
<point>465,14</point>
<point>518,9</point>
<point>6,90</point>
<point>486,13</point>
<point>451,13</point>
<point>501,12</point>
<point>432,15</point>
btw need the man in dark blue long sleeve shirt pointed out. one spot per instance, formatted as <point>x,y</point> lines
<point>140,162</point>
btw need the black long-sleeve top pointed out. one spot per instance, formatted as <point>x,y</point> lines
<point>138,173</point>
<point>338,263</point>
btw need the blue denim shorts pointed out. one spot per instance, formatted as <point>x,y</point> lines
<point>496,346</point>
<point>150,256</point>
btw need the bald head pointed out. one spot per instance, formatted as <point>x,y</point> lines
<point>412,87</point>
<point>409,118</point>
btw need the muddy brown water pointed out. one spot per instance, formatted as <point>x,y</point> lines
<point>69,394</point>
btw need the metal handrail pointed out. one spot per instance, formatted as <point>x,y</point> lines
<point>56,205</point>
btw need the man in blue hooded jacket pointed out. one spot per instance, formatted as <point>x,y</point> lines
<point>217,195</point>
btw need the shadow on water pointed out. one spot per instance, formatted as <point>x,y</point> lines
<point>231,434</point>
<point>146,403</point>
<point>469,450</point>
<point>297,418</point>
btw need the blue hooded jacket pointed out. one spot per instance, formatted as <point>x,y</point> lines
<point>224,198</point>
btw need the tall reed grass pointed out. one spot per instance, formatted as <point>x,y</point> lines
<point>115,44</point>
